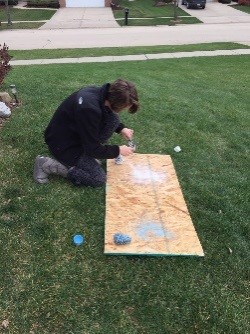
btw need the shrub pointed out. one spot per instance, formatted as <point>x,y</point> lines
<point>162,3</point>
<point>43,3</point>
<point>244,2</point>
<point>4,62</point>
<point>11,2</point>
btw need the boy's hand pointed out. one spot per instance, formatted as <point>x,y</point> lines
<point>125,150</point>
<point>127,133</point>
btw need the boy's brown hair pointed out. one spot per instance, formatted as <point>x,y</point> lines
<point>121,94</point>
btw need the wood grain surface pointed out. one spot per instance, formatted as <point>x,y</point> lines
<point>144,201</point>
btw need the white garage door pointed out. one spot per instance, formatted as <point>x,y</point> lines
<point>85,3</point>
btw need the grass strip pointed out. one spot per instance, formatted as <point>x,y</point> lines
<point>21,25</point>
<point>159,21</point>
<point>119,51</point>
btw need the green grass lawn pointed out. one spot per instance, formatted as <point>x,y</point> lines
<point>245,9</point>
<point>49,286</point>
<point>95,52</point>
<point>146,8</point>
<point>27,14</point>
<point>144,13</point>
<point>24,15</point>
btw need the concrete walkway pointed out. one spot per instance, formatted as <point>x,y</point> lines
<point>105,59</point>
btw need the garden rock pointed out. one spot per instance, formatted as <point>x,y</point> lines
<point>4,110</point>
<point>5,97</point>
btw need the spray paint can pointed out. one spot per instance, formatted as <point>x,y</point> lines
<point>119,160</point>
<point>131,144</point>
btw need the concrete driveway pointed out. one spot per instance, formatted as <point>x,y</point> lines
<point>216,12</point>
<point>77,18</point>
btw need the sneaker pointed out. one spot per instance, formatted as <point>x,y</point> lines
<point>39,175</point>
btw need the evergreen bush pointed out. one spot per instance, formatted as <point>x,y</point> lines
<point>11,2</point>
<point>43,3</point>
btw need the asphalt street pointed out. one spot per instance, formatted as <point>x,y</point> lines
<point>131,36</point>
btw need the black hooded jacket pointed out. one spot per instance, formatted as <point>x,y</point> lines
<point>74,128</point>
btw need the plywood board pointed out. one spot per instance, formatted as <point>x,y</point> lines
<point>144,201</point>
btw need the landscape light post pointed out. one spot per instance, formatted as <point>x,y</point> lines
<point>14,92</point>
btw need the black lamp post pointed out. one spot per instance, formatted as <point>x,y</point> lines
<point>126,12</point>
